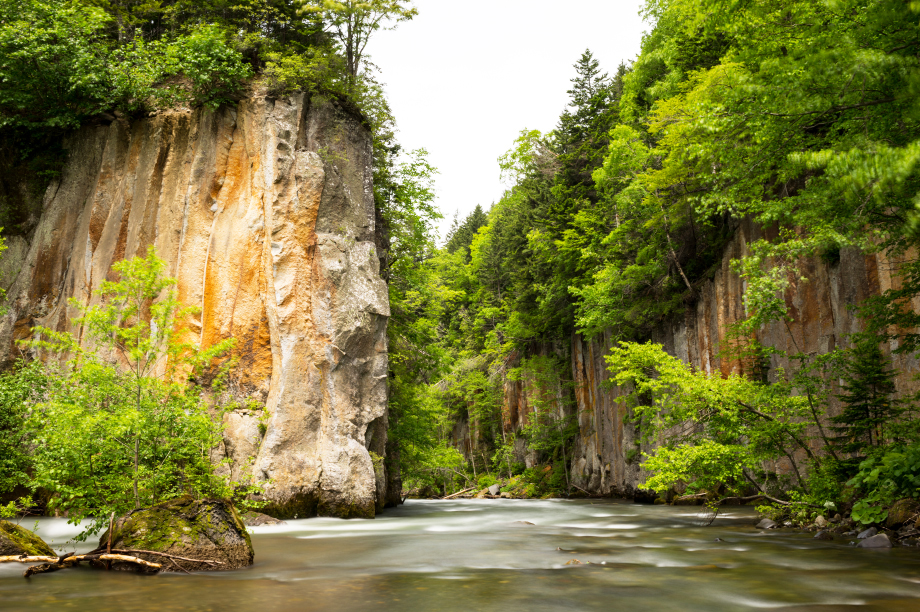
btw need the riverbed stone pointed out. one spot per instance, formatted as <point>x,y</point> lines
<point>767,524</point>
<point>206,529</point>
<point>16,540</point>
<point>877,541</point>
<point>820,522</point>
<point>824,535</point>
<point>494,489</point>
<point>867,533</point>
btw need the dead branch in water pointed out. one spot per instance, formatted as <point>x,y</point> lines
<point>53,564</point>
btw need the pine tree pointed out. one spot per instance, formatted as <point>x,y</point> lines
<point>461,235</point>
<point>868,389</point>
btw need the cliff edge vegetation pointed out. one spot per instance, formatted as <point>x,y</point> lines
<point>797,118</point>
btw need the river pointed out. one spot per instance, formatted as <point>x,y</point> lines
<point>482,555</point>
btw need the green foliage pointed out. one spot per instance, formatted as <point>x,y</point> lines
<point>53,71</point>
<point>713,431</point>
<point>20,389</point>
<point>353,22</point>
<point>889,475</point>
<point>486,480</point>
<point>117,427</point>
<point>868,387</point>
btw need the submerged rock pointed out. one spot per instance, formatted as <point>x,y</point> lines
<point>16,540</point>
<point>574,562</point>
<point>868,533</point>
<point>877,541</point>
<point>205,529</point>
<point>824,535</point>
<point>767,524</point>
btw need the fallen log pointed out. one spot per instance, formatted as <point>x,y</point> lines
<point>453,495</point>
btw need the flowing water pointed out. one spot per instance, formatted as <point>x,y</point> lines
<point>482,555</point>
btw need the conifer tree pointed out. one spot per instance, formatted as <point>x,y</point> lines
<point>868,388</point>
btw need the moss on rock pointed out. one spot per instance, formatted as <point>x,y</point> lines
<point>903,511</point>
<point>208,529</point>
<point>16,540</point>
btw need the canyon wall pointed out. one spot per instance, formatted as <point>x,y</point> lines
<point>820,302</point>
<point>264,213</point>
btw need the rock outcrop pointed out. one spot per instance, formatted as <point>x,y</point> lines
<point>16,540</point>
<point>201,529</point>
<point>264,212</point>
<point>820,304</point>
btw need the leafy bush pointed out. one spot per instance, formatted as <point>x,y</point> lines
<point>20,388</point>
<point>884,478</point>
<point>110,438</point>
<point>215,69</point>
<point>53,72</point>
<point>486,480</point>
<point>289,72</point>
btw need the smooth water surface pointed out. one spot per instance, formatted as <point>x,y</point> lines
<point>481,555</point>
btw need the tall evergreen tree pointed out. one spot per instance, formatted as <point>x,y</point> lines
<point>461,235</point>
<point>868,389</point>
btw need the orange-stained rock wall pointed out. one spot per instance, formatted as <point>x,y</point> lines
<point>264,213</point>
<point>819,301</point>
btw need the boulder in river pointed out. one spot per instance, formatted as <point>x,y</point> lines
<point>257,519</point>
<point>903,511</point>
<point>16,540</point>
<point>767,524</point>
<point>204,529</point>
<point>877,541</point>
<point>824,535</point>
<point>867,533</point>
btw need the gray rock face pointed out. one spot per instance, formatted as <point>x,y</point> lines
<point>868,533</point>
<point>265,215</point>
<point>877,541</point>
<point>205,529</point>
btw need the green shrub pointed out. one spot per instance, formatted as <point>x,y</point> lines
<point>884,478</point>
<point>289,72</point>
<point>216,70</point>
<point>486,480</point>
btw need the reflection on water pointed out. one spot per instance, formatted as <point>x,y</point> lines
<point>482,555</point>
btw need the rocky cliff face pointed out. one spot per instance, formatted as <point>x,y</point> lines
<point>265,215</point>
<point>606,454</point>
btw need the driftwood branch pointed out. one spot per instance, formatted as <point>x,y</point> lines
<point>453,495</point>
<point>53,564</point>
<point>168,556</point>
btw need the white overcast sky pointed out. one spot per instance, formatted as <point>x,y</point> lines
<point>464,78</point>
